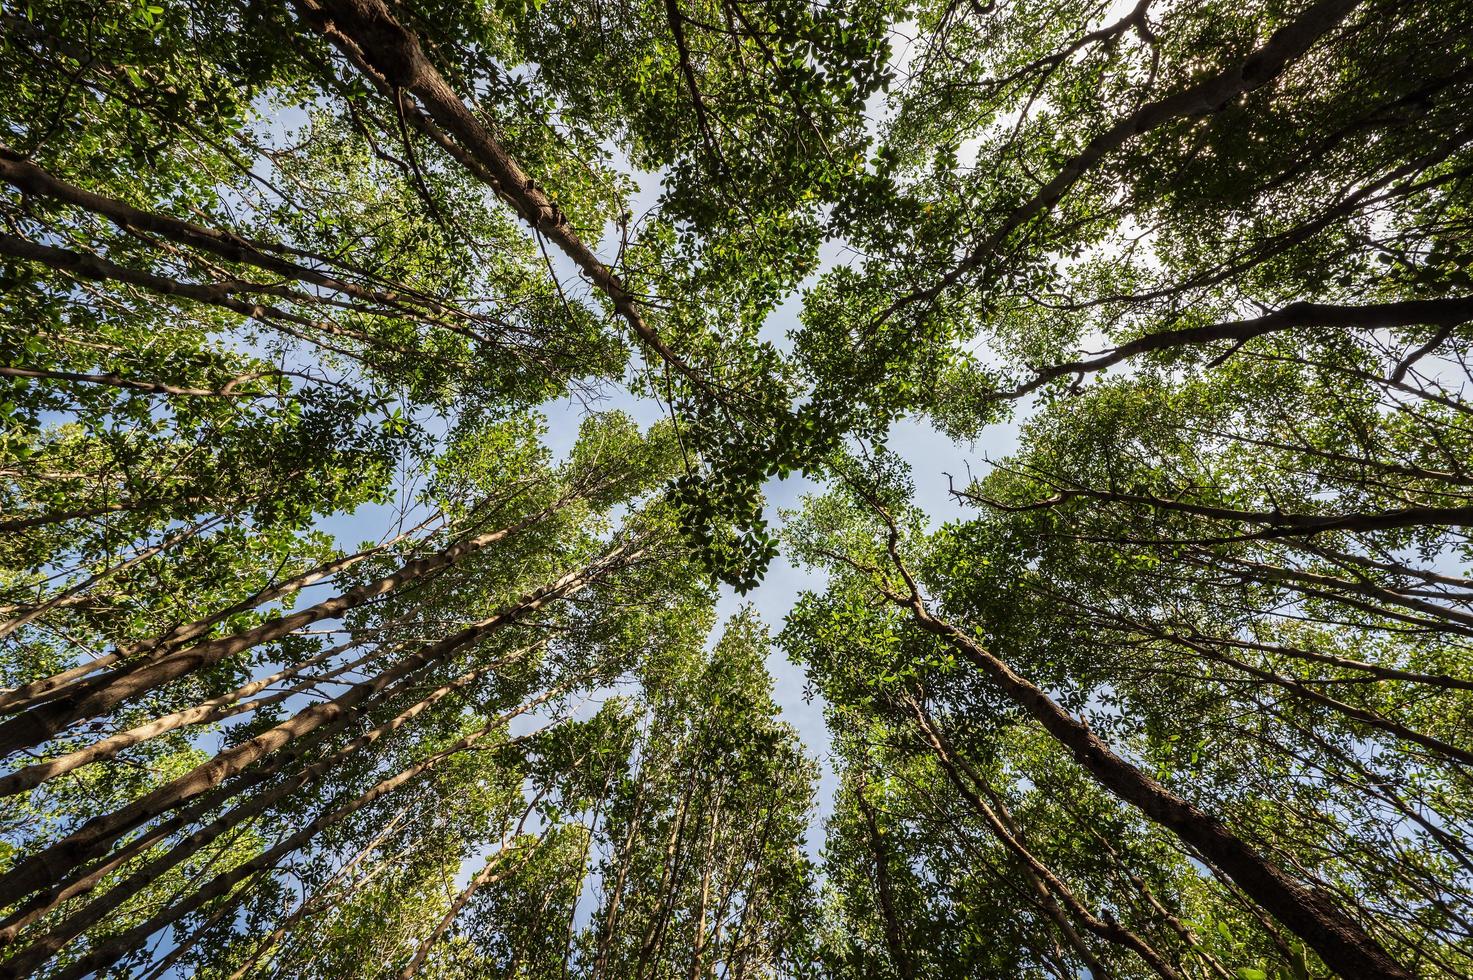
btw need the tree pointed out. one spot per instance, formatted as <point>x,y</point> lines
<point>1183,693</point>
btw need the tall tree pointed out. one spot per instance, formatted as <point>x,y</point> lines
<point>1181,691</point>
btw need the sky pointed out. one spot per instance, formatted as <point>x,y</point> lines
<point>931,455</point>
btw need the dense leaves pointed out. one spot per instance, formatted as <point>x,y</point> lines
<point>1182,688</point>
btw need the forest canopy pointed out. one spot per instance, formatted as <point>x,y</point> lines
<point>393,395</point>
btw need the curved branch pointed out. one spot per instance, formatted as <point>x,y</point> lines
<point>1287,44</point>
<point>392,58</point>
<point>1445,313</point>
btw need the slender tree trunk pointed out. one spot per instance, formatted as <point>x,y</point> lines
<point>698,921</point>
<point>99,695</point>
<point>1284,47</point>
<point>392,58</point>
<point>182,950</point>
<point>319,898</point>
<point>1305,692</point>
<point>69,594</point>
<point>1045,882</point>
<point>110,951</point>
<point>486,876</point>
<point>571,930</point>
<point>669,879</point>
<point>1170,918</point>
<point>884,888</point>
<point>97,834</point>
<point>16,524</point>
<point>206,712</point>
<point>611,918</point>
<point>226,295</point>
<point>47,688</point>
<point>1371,316</point>
<point>43,947</point>
<point>738,857</point>
<point>1310,913</point>
<point>737,970</point>
<point>84,880</point>
<point>30,178</point>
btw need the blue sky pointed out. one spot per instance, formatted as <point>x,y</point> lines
<point>930,454</point>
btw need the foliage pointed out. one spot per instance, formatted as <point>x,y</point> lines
<point>1181,690</point>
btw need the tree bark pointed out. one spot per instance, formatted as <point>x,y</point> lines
<point>97,834</point>
<point>98,695</point>
<point>1371,316</point>
<point>110,951</point>
<point>1285,46</point>
<point>486,876</point>
<point>894,936</point>
<point>28,695</point>
<point>1039,873</point>
<point>43,947</point>
<point>1310,913</point>
<point>391,56</point>
<point>208,711</point>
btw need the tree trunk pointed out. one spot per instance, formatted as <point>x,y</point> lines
<point>99,695</point>
<point>1045,882</point>
<point>1310,913</point>
<point>43,947</point>
<point>28,695</point>
<point>110,951</point>
<point>894,936</point>
<point>97,834</point>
